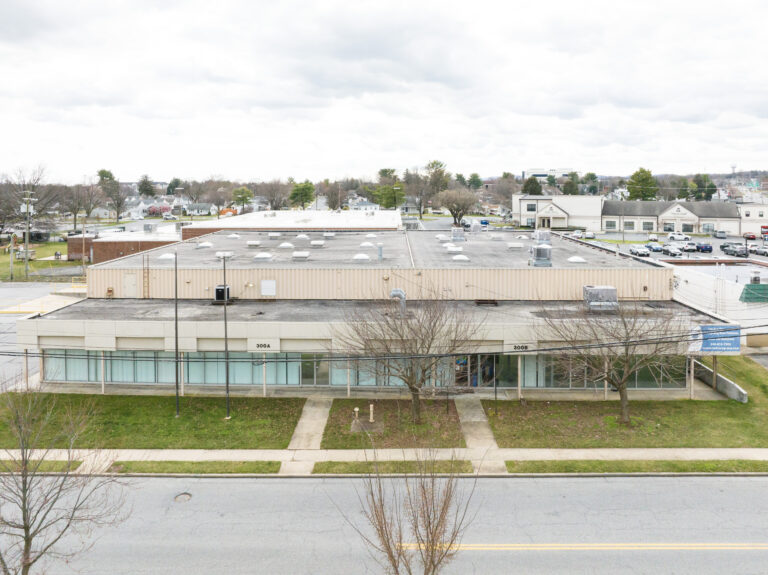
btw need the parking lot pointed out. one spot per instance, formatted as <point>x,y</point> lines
<point>717,253</point>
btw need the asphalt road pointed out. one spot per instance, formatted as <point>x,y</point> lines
<point>554,525</point>
<point>12,294</point>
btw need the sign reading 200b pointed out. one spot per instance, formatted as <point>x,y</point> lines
<point>719,339</point>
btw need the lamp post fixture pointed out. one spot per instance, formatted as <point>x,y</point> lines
<point>28,209</point>
<point>224,257</point>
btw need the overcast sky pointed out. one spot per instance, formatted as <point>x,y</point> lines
<point>260,90</point>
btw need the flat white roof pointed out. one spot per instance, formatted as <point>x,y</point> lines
<point>307,219</point>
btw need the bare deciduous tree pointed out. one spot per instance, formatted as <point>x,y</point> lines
<point>418,520</point>
<point>38,509</point>
<point>408,344</point>
<point>72,199</point>
<point>458,202</point>
<point>276,193</point>
<point>612,347</point>
<point>220,197</point>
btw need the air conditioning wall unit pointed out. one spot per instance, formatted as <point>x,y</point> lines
<point>221,293</point>
<point>601,298</point>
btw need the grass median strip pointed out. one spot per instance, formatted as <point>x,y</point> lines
<point>47,466</point>
<point>584,424</point>
<point>439,428</point>
<point>641,466</point>
<point>357,467</point>
<point>195,467</point>
<point>148,422</point>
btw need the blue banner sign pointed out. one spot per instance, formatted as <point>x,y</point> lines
<point>717,339</point>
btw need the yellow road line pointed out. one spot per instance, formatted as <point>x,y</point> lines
<point>605,546</point>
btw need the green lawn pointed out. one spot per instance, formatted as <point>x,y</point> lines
<point>195,467</point>
<point>438,428</point>
<point>575,424</point>
<point>148,422</point>
<point>41,251</point>
<point>45,466</point>
<point>359,467</point>
<point>644,466</point>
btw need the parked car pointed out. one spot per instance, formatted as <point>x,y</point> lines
<point>641,251</point>
<point>724,246</point>
<point>704,247</point>
<point>762,250</point>
<point>689,247</point>
<point>678,237</point>
<point>720,234</point>
<point>665,249</point>
<point>749,236</point>
<point>169,216</point>
<point>589,235</point>
<point>674,252</point>
<point>752,247</point>
<point>653,247</point>
<point>737,250</point>
<point>577,234</point>
<point>653,238</point>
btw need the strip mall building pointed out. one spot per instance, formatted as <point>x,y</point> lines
<point>291,288</point>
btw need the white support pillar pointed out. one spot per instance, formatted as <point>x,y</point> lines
<point>264,375</point>
<point>690,375</point>
<point>103,374</point>
<point>519,377</point>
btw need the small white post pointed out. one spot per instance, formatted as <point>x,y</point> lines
<point>370,419</point>
<point>264,375</point>
<point>357,413</point>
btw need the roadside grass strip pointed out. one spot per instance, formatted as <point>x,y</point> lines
<point>683,423</point>
<point>440,428</point>
<point>148,422</point>
<point>9,466</point>
<point>639,466</point>
<point>391,467</point>
<point>195,467</point>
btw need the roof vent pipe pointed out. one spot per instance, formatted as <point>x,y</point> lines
<point>381,251</point>
<point>397,293</point>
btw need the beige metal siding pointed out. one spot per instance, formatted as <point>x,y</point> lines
<point>462,284</point>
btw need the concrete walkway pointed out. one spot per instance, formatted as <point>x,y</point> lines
<point>477,434</point>
<point>308,434</point>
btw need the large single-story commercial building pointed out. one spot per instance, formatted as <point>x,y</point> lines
<point>291,292</point>
<point>658,216</point>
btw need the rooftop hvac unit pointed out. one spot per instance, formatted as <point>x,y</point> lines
<point>542,236</point>
<point>300,255</point>
<point>601,298</point>
<point>253,244</point>
<point>457,234</point>
<point>150,227</point>
<point>221,293</point>
<point>541,256</point>
<point>755,277</point>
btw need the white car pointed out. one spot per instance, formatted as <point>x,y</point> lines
<point>168,216</point>
<point>641,251</point>
<point>677,236</point>
<point>653,238</point>
<point>577,234</point>
<point>589,235</point>
<point>752,248</point>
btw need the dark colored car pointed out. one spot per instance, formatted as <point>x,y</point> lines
<point>702,247</point>
<point>749,236</point>
<point>725,245</point>
<point>737,250</point>
<point>651,247</point>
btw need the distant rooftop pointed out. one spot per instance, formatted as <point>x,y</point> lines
<point>307,220</point>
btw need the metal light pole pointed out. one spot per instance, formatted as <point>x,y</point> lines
<point>226,343</point>
<point>395,189</point>
<point>27,199</point>
<point>176,322</point>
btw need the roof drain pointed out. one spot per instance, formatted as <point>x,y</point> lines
<point>397,293</point>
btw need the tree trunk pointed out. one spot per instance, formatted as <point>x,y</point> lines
<point>624,397</point>
<point>75,221</point>
<point>415,406</point>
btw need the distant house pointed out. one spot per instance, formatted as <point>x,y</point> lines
<point>658,216</point>
<point>201,209</point>
<point>364,206</point>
